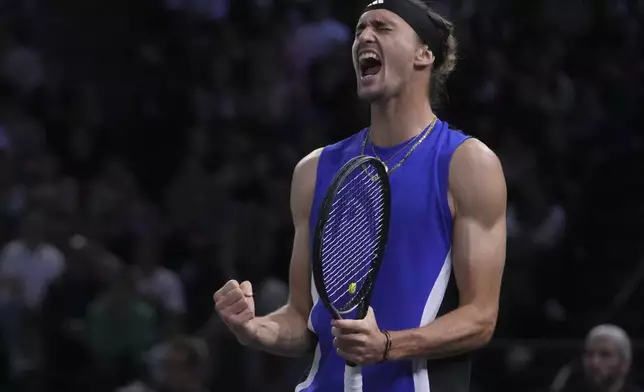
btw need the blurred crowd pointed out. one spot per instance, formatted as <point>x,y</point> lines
<point>146,149</point>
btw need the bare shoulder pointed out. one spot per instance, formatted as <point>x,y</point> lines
<point>474,155</point>
<point>307,166</point>
<point>303,185</point>
<point>476,179</point>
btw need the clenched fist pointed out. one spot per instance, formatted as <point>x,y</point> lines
<point>235,305</point>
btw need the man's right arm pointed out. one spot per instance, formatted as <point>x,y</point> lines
<point>285,331</point>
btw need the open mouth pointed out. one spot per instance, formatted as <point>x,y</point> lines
<point>370,64</point>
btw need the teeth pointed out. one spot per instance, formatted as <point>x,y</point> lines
<point>367,55</point>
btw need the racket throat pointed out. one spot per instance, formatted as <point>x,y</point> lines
<point>339,314</point>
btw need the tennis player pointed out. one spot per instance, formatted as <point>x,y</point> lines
<point>437,292</point>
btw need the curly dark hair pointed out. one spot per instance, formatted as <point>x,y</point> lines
<point>449,45</point>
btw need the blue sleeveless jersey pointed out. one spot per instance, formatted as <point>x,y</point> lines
<point>415,283</point>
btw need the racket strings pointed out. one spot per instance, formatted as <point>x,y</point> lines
<point>338,257</point>
<point>341,254</point>
<point>349,271</point>
<point>355,275</point>
<point>339,213</point>
<point>358,220</point>
<point>351,238</point>
<point>345,229</point>
<point>367,170</point>
<point>346,226</point>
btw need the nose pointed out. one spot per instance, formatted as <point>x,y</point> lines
<point>367,36</point>
<point>593,361</point>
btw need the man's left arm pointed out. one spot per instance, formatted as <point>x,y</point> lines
<point>478,196</point>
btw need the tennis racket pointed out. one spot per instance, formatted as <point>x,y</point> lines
<point>349,243</point>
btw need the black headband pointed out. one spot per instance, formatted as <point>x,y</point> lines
<point>419,20</point>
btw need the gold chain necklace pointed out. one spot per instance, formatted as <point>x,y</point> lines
<point>421,137</point>
<point>403,148</point>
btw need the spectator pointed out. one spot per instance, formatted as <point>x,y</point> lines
<point>20,64</point>
<point>28,265</point>
<point>66,357</point>
<point>177,366</point>
<point>606,362</point>
<point>120,327</point>
<point>160,286</point>
<point>30,262</point>
<point>318,35</point>
<point>201,274</point>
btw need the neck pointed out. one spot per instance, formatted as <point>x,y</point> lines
<point>32,245</point>
<point>617,386</point>
<point>399,119</point>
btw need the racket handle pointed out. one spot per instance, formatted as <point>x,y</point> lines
<point>352,378</point>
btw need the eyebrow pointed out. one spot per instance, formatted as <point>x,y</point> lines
<point>378,22</point>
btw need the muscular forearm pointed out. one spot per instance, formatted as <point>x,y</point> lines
<point>283,332</point>
<point>462,330</point>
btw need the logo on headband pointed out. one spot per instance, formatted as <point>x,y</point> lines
<point>376,3</point>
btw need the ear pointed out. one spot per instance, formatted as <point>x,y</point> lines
<point>424,57</point>
<point>626,366</point>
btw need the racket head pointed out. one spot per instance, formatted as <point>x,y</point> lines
<point>351,236</point>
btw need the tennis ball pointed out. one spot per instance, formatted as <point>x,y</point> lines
<point>352,288</point>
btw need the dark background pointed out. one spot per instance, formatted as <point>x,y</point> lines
<point>144,138</point>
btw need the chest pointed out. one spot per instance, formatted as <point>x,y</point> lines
<point>415,197</point>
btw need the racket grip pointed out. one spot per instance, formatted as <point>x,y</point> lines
<point>352,378</point>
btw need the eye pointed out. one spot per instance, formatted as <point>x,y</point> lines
<point>359,28</point>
